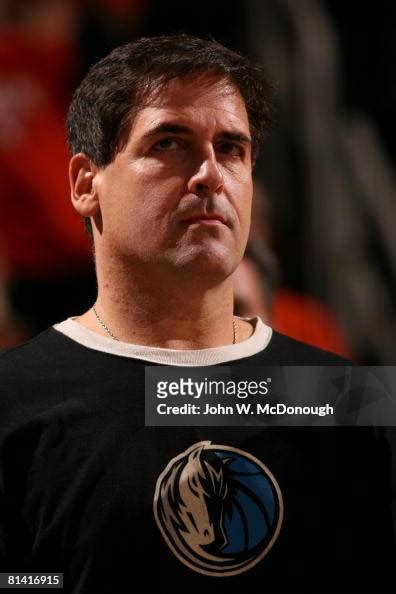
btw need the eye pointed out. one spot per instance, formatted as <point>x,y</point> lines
<point>230,148</point>
<point>166,144</point>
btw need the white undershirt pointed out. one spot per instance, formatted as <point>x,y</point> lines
<point>257,342</point>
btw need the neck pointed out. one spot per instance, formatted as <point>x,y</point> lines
<point>183,314</point>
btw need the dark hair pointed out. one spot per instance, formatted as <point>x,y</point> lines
<point>113,90</point>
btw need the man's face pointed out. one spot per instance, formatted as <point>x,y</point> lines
<point>178,195</point>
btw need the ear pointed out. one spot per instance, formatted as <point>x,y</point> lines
<point>82,174</point>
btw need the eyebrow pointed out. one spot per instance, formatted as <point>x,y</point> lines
<point>170,128</point>
<point>236,136</point>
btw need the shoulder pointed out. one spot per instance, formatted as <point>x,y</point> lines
<point>46,376</point>
<point>37,351</point>
<point>283,350</point>
<point>31,372</point>
<point>26,370</point>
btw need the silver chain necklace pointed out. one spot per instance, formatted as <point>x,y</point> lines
<point>109,332</point>
<point>101,322</point>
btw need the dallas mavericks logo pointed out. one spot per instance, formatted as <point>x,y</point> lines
<point>218,508</point>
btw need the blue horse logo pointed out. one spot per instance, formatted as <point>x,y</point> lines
<point>219,509</point>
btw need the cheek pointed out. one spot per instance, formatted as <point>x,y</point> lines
<point>149,194</point>
<point>243,193</point>
<point>159,196</point>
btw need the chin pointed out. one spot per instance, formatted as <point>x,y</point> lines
<point>211,265</point>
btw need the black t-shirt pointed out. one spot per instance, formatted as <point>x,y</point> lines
<point>79,472</point>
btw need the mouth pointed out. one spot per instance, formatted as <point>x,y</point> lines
<point>205,219</point>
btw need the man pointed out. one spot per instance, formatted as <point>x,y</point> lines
<point>163,135</point>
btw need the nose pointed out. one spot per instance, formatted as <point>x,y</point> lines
<point>208,178</point>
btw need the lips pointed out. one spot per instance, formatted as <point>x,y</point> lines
<point>211,218</point>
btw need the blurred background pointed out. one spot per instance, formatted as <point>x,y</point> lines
<point>321,261</point>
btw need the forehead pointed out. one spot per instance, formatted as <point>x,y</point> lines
<point>207,101</point>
